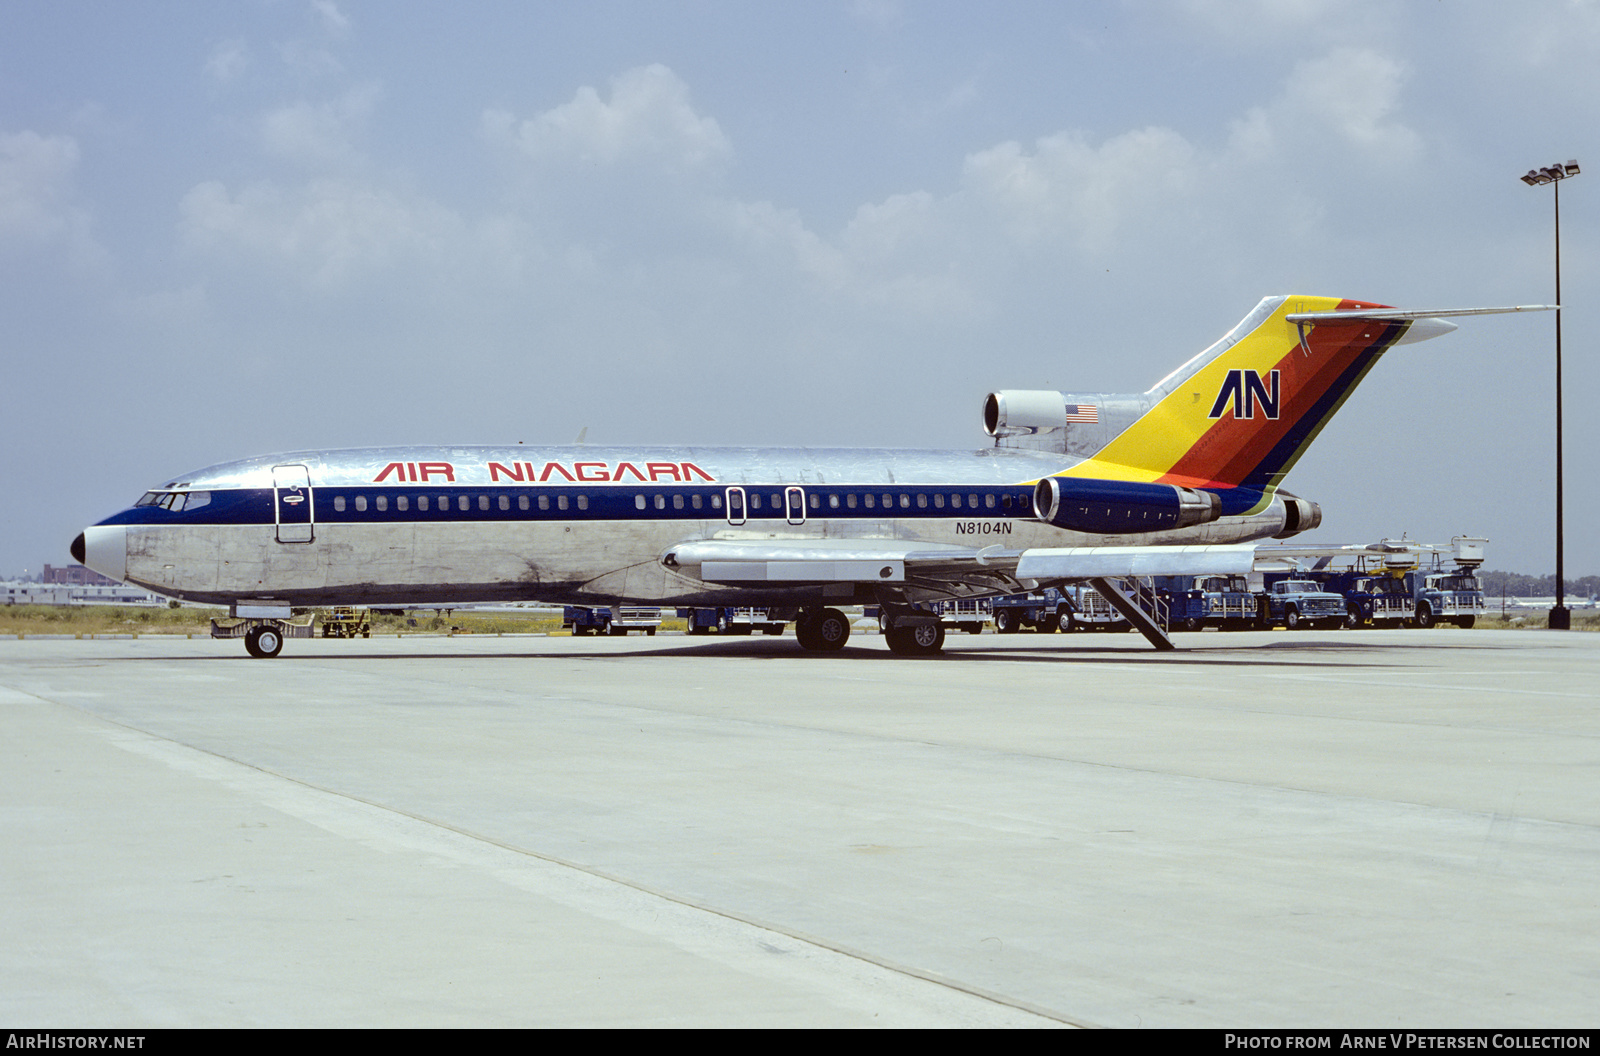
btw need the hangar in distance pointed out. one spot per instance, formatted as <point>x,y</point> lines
<point>1182,478</point>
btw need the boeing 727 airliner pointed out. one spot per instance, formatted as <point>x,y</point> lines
<point>1176,480</point>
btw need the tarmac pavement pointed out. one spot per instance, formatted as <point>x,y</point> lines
<point>1263,829</point>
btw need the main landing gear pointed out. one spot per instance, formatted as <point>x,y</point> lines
<point>924,637</point>
<point>823,631</point>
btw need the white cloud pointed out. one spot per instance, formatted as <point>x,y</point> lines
<point>228,61</point>
<point>318,135</point>
<point>1069,188</point>
<point>36,194</point>
<point>330,230</point>
<point>1354,92</point>
<point>334,22</point>
<point>648,119</point>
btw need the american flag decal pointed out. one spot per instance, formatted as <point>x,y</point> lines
<point>1083,412</point>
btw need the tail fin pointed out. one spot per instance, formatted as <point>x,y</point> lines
<point>1241,413</point>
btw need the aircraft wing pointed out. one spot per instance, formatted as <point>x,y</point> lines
<point>793,561</point>
<point>940,568</point>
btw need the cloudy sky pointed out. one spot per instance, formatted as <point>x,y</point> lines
<point>229,229</point>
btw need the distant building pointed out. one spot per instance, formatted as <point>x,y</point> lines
<point>76,575</point>
<point>14,593</point>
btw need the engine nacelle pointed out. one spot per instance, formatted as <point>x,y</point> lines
<point>1019,411</point>
<point>1299,515</point>
<point>1114,507</point>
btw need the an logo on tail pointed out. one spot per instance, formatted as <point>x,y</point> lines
<point>1243,390</point>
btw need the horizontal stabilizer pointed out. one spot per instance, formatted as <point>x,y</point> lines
<point>1392,314</point>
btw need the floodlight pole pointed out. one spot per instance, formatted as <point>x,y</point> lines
<point>1560,615</point>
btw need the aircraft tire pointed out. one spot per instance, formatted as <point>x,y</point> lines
<point>263,642</point>
<point>922,639</point>
<point>833,630</point>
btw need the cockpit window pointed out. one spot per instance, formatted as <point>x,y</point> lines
<point>176,501</point>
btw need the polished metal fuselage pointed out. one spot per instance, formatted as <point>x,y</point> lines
<point>586,525</point>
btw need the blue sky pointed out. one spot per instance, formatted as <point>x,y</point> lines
<point>231,229</point>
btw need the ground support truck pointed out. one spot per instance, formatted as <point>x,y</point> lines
<point>728,620</point>
<point>617,620</point>
<point>1297,602</point>
<point>964,614</point>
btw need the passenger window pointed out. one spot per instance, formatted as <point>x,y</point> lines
<point>850,500</point>
<point>955,502</point>
<point>905,502</point>
<point>972,500</point>
<point>695,501</point>
<point>716,502</point>
<point>522,502</point>
<point>338,504</point>
<point>833,502</point>
<point>383,503</point>
<point>583,502</point>
<point>422,502</point>
<point>638,502</point>
<point>816,501</point>
<point>463,504</point>
<point>922,502</point>
<point>402,502</point>
<point>661,502</point>
<point>938,500</point>
<point>870,500</point>
<point>677,502</point>
<point>544,502</point>
<point>561,502</point>
<point>988,501</point>
<point>755,501</point>
<point>361,504</point>
<point>505,502</point>
<point>483,502</point>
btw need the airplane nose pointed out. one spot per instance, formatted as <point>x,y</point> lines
<point>104,548</point>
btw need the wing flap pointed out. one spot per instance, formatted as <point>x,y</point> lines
<point>1100,562</point>
<point>740,561</point>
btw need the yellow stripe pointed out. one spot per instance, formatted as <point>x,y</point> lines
<point>1148,449</point>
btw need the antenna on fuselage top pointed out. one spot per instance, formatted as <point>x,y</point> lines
<point>583,436</point>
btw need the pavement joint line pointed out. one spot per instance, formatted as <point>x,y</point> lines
<point>587,889</point>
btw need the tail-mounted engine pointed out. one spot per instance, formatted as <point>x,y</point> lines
<point>1299,515</point>
<point>1021,412</point>
<point>1114,507</point>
